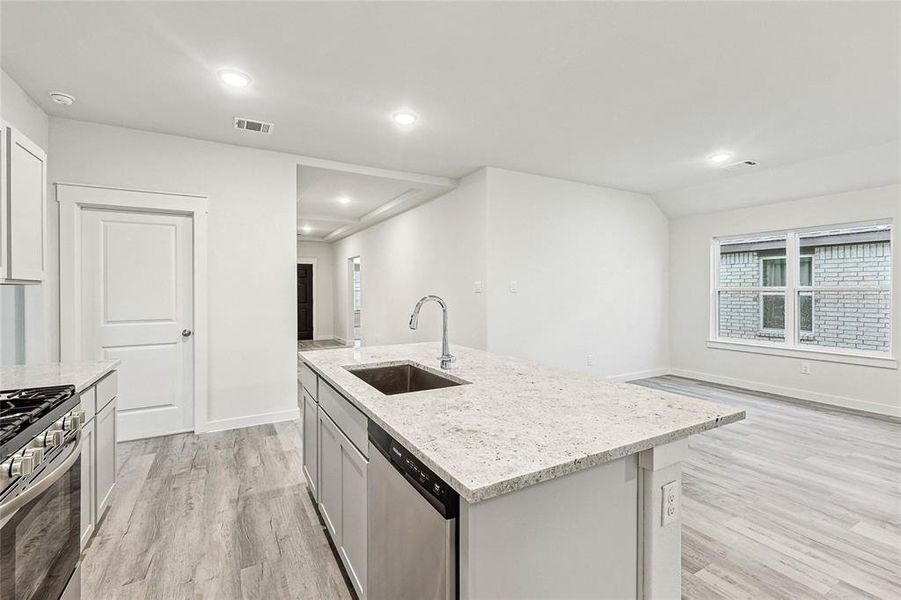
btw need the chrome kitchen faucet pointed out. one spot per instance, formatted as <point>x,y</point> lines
<point>446,357</point>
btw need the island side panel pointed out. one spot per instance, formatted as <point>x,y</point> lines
<point>660,574</point>
<point>576,536</point>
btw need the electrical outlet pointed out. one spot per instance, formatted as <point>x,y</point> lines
<point>477,288</point>
<point>514,287</point>
<point>805,368</point>
<point>669,503</point>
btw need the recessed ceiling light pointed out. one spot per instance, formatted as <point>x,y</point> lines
<point>719,158</point>
<point>306,229</point>
<point>343,200</point>
<point>62,98</point>
<point>234,78</point>
<point>404,117</point>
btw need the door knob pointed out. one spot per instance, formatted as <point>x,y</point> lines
<point>186,332</point>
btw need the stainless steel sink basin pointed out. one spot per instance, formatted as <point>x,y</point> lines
<point>403,378</point>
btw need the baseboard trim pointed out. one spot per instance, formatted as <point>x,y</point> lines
<point>322,338</point>
<point>340,340</point>
<point>798,396</point>
<point>251,420</point>
<point>639,375</point>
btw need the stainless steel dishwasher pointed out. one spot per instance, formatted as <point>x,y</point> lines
<point>412,521</point>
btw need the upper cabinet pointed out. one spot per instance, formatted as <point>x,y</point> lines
<point>23,209</point>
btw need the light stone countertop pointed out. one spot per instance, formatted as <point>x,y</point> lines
<point>517,423</point>
<point>80,374</point>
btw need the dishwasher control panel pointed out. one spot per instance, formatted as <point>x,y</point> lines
<point>431,487</point>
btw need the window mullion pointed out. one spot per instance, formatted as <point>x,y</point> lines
<point>792,281</point>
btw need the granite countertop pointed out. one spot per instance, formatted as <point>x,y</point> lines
<point>517,423</point>
<point>80,374</point>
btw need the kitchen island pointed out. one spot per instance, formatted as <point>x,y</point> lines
<point>560,475</point>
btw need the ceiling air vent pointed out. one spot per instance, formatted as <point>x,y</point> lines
<point>741,165</point>
<point>251,125</point>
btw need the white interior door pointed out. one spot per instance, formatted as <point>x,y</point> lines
<point>137,306</point>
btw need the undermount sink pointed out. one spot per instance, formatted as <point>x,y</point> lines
<point>403,378</point>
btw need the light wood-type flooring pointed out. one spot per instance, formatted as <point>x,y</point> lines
<point>794,502</point>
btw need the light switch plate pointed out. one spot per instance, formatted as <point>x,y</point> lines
<point>514,287</point>
<point>477,288</point>
<point>669,503</point>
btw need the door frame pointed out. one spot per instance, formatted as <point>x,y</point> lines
<point>312,261</point>
<point>350,299</point>
<point>75,197</point>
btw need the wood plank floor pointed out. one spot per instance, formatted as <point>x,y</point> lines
<point>224,516</point>
<point>792,503</point>
<point>320,344</point>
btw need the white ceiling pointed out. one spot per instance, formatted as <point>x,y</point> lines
<point>371,198</point>
<point>631,95</point>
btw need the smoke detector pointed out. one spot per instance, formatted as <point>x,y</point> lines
<point>253,125</point>
<point>62,98</point>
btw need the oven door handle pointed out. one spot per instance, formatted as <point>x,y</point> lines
<point>10,507</point>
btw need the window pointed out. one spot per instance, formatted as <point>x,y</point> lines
<point>827,289</point>
<point>772,313</point>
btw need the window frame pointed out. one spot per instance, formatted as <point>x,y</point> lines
<point>760,281</point>
<point>791,345</point>
<point>762,326</point>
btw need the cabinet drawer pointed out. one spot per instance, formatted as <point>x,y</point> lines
<point>89,403</point>
<point>309,379</point>
<point>348,418</point>
<point>106,390</point>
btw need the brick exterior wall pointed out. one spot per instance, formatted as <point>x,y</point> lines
<point>739,316</point>
<point>848,320</point>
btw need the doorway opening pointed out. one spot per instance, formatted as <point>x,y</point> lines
<point>356,300</point>
<point>305,301</point>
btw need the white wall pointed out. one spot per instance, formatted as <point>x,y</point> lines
<point>323,286</point>
<point>590,264</point>
<point>22,312</point>
<point>252,247</point>
<point>866,388</point>
<point>436,248</point>
<point>23,113</point>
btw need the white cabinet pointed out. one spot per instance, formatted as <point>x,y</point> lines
<point>353,515</point>
<point>106,455</point>
<point>98,453</point>
<point>88,491</point>
<point>24,207</point>
<point>330,475</point>
<point>342,498</point>
<point>311,444</point>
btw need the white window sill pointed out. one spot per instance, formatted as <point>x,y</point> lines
<point>867,360</point>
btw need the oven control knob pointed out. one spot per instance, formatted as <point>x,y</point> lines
<point>74,420</point>
<point>54,437</point>
<point>36,454</point>
<point>21,465</point>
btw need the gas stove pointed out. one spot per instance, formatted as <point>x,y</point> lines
<point>40,493</point>
<point>26,413</point>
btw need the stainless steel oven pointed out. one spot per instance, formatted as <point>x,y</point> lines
<point>40,524</point>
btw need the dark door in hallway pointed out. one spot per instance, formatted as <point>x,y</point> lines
<point>305,302</point>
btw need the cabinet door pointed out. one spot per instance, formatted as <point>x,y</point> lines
<point>26,201</point>
<point>310,444</point>
<point>330,476</point>
<point>106,456</point>
<point>4,225</point>
<point>353,514</point>
<point>88,494</point>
